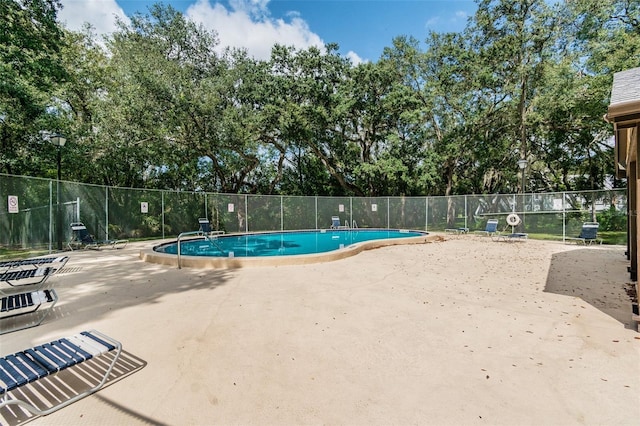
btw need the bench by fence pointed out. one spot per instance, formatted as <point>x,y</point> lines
<point>32,365</point>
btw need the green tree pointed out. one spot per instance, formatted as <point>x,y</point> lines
<point>309,83</point>
<point>158,107</point>
<point>30,68</point>
<point>79,99</point>
<point>161,112</point>
<point>597,39</point>
<point>515,40</point>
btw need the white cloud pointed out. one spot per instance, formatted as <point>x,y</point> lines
<point>256,8</point>
<point>249,25</point>
<point>245,24</point>
<point>446,23</point>
<point>101,14</point>
<point>433,22</point>
<point>460,16</point>
<point>355,58</point>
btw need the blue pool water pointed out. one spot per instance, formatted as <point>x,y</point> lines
<point>282,243</point>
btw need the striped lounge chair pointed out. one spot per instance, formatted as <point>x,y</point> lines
<point>32,365</point>
<point>32,306</point>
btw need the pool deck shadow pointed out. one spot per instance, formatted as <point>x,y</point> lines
<point>596,275</point>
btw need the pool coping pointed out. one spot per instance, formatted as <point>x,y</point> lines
<point>202,262</point>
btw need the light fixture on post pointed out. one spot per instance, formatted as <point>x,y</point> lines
<point>59,141</point>
<point>522,164</point>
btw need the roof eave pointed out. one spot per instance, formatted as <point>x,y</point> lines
<point>623,111</point>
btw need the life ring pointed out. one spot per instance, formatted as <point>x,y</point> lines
<point>513,219</point>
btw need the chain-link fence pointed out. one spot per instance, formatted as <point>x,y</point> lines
<point>36,213</point>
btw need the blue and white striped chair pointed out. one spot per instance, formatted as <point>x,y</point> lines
<point>490,229</point>
<point>33,307</point>
<point>30,365</point>
<point>588,234</point>
<point>25,277</point>
<point>35,262</point>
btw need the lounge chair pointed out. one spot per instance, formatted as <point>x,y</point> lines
<point>205,227</point>
<point>26,277</point>
<point>491,229</point>
<point>35,305</point>
<point>32,365</point>
<point>335,222</point>
<point>457,231</point>
<point>35,263</point>
<point>81,238</point>
<point>588,234</point>
<point>515,236</point>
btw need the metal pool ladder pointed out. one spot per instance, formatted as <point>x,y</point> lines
<point>206,237</point>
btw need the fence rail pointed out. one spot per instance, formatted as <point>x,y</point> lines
<point>31,216</point>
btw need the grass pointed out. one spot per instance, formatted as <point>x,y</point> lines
<point>9,254</point>
<point>607,237</point>
<point>613,237</point>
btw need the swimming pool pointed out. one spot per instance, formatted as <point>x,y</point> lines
<point>282,243</point>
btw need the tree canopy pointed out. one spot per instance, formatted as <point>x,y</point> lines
<point>155,106</point>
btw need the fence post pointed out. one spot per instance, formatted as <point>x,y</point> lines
<point>162,211</point>
<point>465,211</point>
<point>388,213</point>
<point>50,216</point>
<point>281,214</point>
<point>350,209</point>
<point>426,214</point>
<point>316,198</point>
<point>246,213</point>
<point>106,212</point>
<point>564,219</point>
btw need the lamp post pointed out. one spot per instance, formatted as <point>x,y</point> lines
<point>522,164</point>
<point>59,141</point>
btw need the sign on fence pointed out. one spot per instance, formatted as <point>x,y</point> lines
<point>13,204</point>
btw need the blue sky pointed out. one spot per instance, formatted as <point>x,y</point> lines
<point>362,28</point>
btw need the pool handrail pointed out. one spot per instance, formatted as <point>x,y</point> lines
<point>199,232</point>
<point>212,237</point>
<point>184,234</point>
